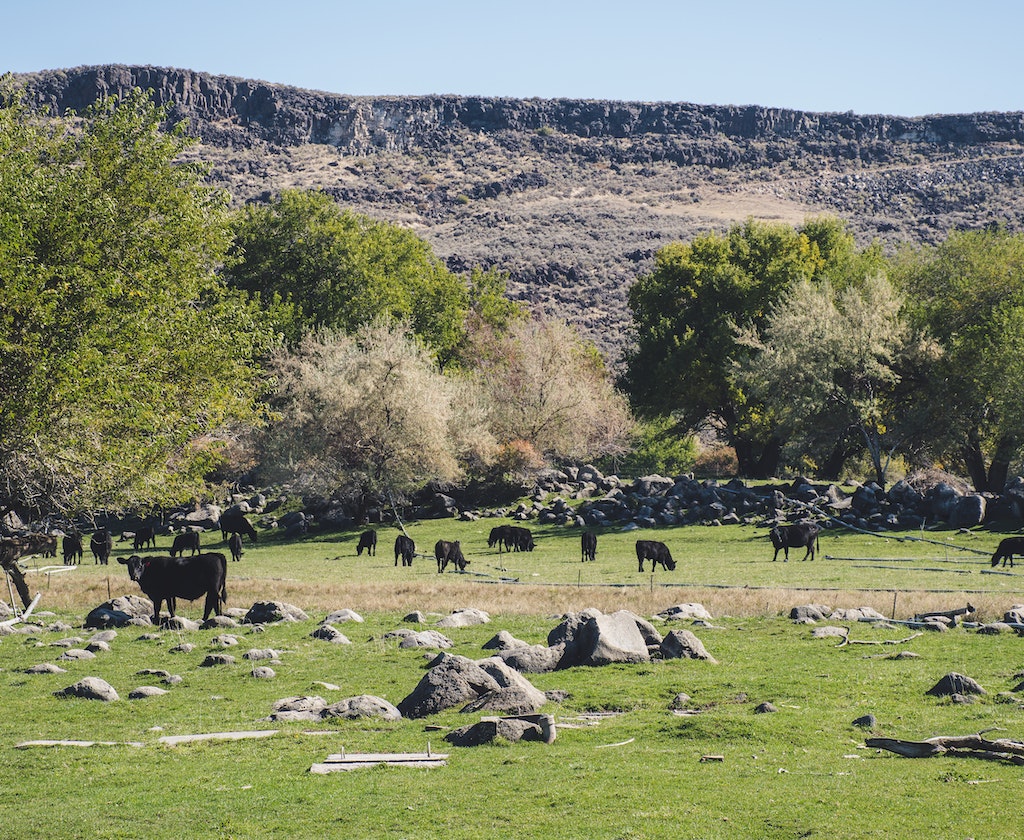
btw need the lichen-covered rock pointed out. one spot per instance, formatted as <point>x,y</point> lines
<point>954,683</point>
<point>451,681</point>
<point>268,612</point>
<point>363,706</point>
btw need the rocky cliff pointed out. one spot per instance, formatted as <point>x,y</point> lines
<point>573,197</point>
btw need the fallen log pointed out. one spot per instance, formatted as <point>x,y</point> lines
<point>966,746</point>
<point>946,614</point>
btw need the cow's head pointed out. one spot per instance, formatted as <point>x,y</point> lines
<point>136,566</point>
<point>775,535</point>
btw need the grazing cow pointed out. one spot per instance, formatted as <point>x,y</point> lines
<point>449,552</point>
<point>101,544</point>
<point>519,539</point>
<point>145,537</point>
<point>404,548</point>
<point>367,540</point>
<point>656,552</point>
<point>1007,548</point>
<point>235,544</point>
<point>169,578</point>
<point>187,539</point>
<point>499,537</point>
<point>797,535</point>
<point>234,522</point>
<point>588,546</point>
<point>72,549</point>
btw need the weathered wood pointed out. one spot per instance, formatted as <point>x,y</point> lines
<point>67,742</point>
<point>967,746</point>
<point>848,641</point>
<point>946,614</point>
<point>172,740</point>
<point>354,761</point>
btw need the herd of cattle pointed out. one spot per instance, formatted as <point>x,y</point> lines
<point>167,578</point>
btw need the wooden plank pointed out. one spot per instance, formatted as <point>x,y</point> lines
<point>354,761</point>
<point>216,736</point>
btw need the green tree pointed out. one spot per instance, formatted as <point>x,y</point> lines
<point>829,362</point>
<point>316,265</point>
<point>121,354</point>
<point>969,292</point>
<point>685,313</point>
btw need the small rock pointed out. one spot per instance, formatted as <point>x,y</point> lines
<point>217,659</point>
<point>866,722</point>
<point>144,691</point>
<point>263,672</point>
<point>765,708</point>
<point>90,688</point>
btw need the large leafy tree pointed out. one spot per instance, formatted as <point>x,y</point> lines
<point>121,353</point>
<point>317,265</point>
<point>686,312</point>
<point>831,362</point>
<point>969,292</point>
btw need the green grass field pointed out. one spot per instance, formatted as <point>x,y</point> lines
<point>633,771</point>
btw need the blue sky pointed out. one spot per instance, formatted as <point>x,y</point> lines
<point>902,57</point>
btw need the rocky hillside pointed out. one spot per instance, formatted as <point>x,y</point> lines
<point>574,197</point>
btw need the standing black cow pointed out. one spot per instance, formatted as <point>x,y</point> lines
<point>449,552</point>
<point>101,544</point>
<point>588,546</point>
<point>235,544</point>
<point>72,546</point>
<point>168,578</point>
<point>656,552</point>
<point>1006,549</point>
<point>404,548</point>
<point>145,537</point>
<point>367,540</point>
<point>520,539</point>
<point>499,537</point>
<point>187,539</point>
<point>797,535</point>
<point>234,522</point>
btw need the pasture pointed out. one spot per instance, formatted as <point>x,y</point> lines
<point>624,765</point>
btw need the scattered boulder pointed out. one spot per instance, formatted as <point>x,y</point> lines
<point>464,618</point>
<point>363,706</point>
<point>179,623</point>
<point>120,612</point>
<point>416,617</point>
<point>330,634</point>
<point>426,639</point>
<point>451,681</point>
<point>298,708</point>
<point>144,691</point>
<point>684,612</point>
<point>269,612</point>
<point>224,640</point>
<point>857,614</point>
<point>256,654</point>
<point>45,668</point>
<point>604,639</point>
<point>764,709</point>
<point>533,659</point>
<point>341,616</point>
<point>90,688</point>
<point>866,722</point>
<point>214,659</point>
<point>73,654</point>
<point>184,647</point>
<point>809,613</point>
<point>508,729</point>
<point>682,644</point>
<point>263,672</point>
<point>954,683</point>
<point>680,701</point>
<point>503,641</point>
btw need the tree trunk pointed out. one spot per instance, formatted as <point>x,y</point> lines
<point>992,479</point>
<point>757,461</point>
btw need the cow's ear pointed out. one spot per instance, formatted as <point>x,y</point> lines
<point>126,560</point>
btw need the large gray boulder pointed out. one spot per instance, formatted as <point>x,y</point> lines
<point>533,659</point>
<point>120,612</point>
<point>464,618</point>
<point>955,684</point>
<point>969,511</point>
<point>451,681</point>
<point>426,639</point>
<point>269,612</point>
<point>605,639</point>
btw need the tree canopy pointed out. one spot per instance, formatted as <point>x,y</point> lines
<point>315,265</point>
<point>121,353</point>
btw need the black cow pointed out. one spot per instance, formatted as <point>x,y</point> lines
<point>519,539</point>
<point>187,539</point>
<point>72,546</point>
<point>1006,549</point>
<point>234,522</point>
<point>656,552</point>
<point>404,548</point>
<point>145,537</point>
<point>235,544</point>
<point>588,546</point>
<point>449,552</point>
<point>797,535</point>
<point>101,544</point>
<point>499,537</point>
<point>367,540</point>
<point>169,578</point>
